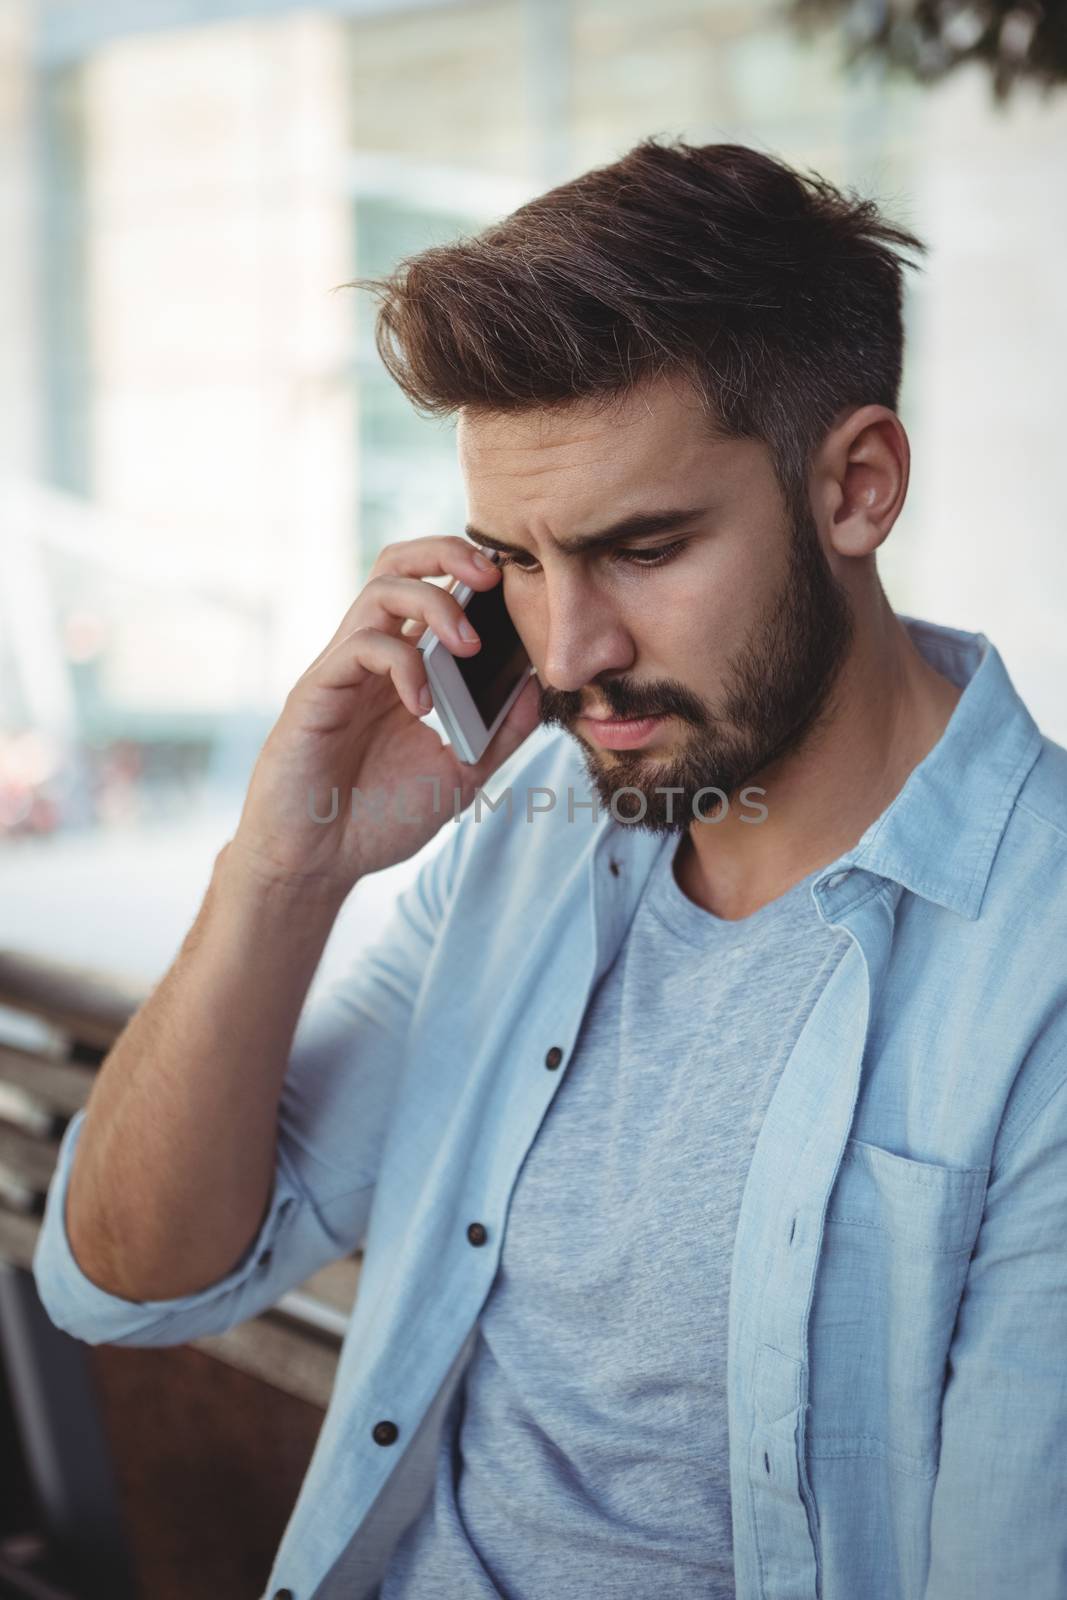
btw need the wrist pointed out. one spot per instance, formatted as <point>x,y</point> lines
<point>242,873</point>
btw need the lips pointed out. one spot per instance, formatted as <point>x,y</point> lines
<point>615,733</point>
<point>646,716</point>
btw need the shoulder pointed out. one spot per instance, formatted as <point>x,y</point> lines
<point>1025,899</point>
<point>1025,912</point>
<point>1042,802</point>
<point>1031,864</point>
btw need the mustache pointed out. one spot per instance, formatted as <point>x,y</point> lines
<point>564,707</point>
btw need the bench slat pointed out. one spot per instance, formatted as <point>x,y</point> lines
<point>60,1085</point>
<point>337,1283</point>
<point>91,1006</point>
<point>18,1238</point>
<point>29,1161</point>
<point>292,1359</point>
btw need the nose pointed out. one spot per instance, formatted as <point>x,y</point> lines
<point>583,634</point>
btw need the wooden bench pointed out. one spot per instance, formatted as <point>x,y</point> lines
<point>155,1473</point>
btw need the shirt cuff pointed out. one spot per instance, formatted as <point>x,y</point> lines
<point>83,1309</point>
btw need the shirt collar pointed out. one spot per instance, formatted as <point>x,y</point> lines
<point>940,834</point>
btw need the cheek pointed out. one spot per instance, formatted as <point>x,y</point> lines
<point>676,606</point>
<point>695,633</point>
<point>689,630</point>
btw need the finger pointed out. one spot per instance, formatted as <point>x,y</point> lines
<point>390,603</point>
<point>445,556</point>
<point>366,652</point>
<point>438,556</point>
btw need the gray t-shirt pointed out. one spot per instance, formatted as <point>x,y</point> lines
<point>585,1455</point>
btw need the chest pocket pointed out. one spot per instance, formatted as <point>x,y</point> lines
<point>896,1247</point>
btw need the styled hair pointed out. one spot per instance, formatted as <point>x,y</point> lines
<point>776,295</point>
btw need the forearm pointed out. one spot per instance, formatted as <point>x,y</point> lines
<point>174,1167</point>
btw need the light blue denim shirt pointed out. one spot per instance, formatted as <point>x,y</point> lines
<point>897,1327</point>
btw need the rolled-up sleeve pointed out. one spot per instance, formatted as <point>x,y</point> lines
<point>335,1104</point>
<point>999,1511</point>
<point>290,1235</point>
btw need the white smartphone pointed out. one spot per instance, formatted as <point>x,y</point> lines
<point>473,694</point>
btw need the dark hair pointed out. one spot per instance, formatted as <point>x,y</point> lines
<point>776,295</point>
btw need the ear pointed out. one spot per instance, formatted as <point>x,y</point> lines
<point>860,479</point>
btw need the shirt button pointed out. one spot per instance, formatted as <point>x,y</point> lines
<point>283,1594</point>
<point>476,1233</point>
<point>553,1058</point>
<point>266,1258</point>
<point>385,1433</point>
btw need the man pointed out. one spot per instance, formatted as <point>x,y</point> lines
<point>704,1124</point>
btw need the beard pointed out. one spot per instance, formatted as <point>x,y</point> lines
<point>777,695</point>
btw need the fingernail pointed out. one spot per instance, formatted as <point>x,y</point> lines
<point>425,697</point>
<point>484,562</point>
<point>466,631</point>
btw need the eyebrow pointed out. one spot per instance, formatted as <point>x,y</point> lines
<point>636,527</point>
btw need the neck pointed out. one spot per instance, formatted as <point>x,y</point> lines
<point>890,709</point>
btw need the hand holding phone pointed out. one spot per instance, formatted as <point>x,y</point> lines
<point>352,722</point>
<point>472,694</point>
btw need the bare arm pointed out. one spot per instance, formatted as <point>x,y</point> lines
<point>174,1168</point>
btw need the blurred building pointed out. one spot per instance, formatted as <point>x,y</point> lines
<point>202,453</point>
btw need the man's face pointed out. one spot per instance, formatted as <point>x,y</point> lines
<point>735,638</point>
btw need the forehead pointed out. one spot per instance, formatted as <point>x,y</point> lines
<point>563,472</point>
<point>651,428</point>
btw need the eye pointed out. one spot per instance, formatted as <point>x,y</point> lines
<point>651,558</point>
<point>642,560</point>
